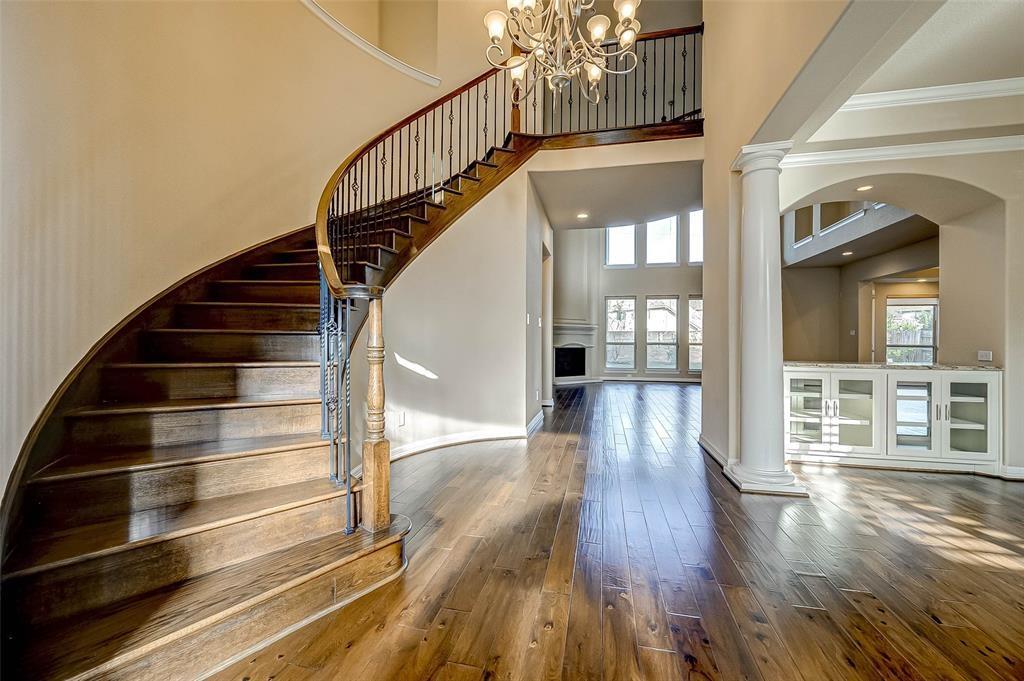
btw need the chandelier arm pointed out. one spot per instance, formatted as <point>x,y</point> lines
<point>628,69</point>
<point>514,22</point>
<point>501,53</point>
<point>588,90</point>
<point>524,94</point>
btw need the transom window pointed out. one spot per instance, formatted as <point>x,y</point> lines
<point>911,330</point>
<point>663,242</point>
<point>620,246</point>
<point>620,333</point>
<point>662,332</point>
<point>696,335</point>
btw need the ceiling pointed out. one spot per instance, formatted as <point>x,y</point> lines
<point>930,274</point>
<point>896,235</point>
<point>616,196</point>
<point>963,42</point>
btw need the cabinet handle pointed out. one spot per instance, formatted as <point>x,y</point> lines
<point>938,412</point>
<point>947,411</point>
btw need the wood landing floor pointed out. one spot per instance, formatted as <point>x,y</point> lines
<point>610,547</point>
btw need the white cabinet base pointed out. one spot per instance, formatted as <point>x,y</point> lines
<point>936,464</point>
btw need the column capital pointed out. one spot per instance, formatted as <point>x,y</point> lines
<point>761,156</point>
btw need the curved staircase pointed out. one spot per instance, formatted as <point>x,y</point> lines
<point>193,505</point>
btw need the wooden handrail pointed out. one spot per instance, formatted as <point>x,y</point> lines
<point>328,265</point>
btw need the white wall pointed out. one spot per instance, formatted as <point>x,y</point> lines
<point>752,53</point>
<point>459,311</point>
<point>584,293</point>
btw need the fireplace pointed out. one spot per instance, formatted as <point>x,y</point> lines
<point>570,361</point>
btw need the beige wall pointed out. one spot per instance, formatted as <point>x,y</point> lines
<point>408,31</point>
<point>752,52</point>
<point>362,16</point>
<point>143,141</point>
<point>810,314</point>
<point>973,305</point>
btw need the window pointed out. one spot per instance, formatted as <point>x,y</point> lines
<point>662,333</point>
<point>696,237</point>
<point>696,337</point>
<point>620,333</point>
<point>911,330</point>
<point>620,246</point>
<point>663,242</point>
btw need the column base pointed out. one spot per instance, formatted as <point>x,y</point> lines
<point>763,482</point>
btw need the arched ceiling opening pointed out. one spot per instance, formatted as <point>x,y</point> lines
<point>938,199</point>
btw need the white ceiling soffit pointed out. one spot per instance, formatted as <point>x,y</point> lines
<point>965,41</point>
<point>619,195</point>
<point>958,92</point>
<point>984,145</point>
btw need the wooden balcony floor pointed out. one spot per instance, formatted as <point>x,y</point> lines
<point>611,547</point>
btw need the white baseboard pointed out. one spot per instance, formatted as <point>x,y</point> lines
<point>575,381</point>
<point>536,422</point>
<point>627,379</point>
<point>989,470</point>
<point>718,456</point>
<point>652,379</point>
<point>462,438</point>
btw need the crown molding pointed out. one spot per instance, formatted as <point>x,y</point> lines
<point>982,145</point>
<point>960,92</point>
<point>368,47</point>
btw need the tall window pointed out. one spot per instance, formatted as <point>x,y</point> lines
<point>620,333</point>
<point>696,336</point>
<point>663,242</point>
<point>911,330</point>
<point>662,333</point>
<point>620,246</point>
<point>696,233</point>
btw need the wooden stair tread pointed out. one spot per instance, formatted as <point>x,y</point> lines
<point>163,406</point>
<point>89,462</point>
<point>142,366</point>
<point>127,630</point>
<point>247,303</point>
<point>269,282</point>
<point>258,332</point>
<point>160,524</point>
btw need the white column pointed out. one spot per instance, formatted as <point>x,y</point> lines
<point>761,466</point>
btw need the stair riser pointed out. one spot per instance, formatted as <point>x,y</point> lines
<point>363,274</point>
<point>243,317</point>
<point>193,656</point>
<point>267,293</point>
<point>290,256</point>
<point>462,184</point>
<point>293,271</point>
<point>165,428</point>
<point>227,346</point>
<point>108,496</point>
<point>91,583</point>
<point>144,385</point>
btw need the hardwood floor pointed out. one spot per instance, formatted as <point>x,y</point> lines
<point>609,546</point>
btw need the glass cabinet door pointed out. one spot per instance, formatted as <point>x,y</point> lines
<point>915,410</point>
<point>967,415</point>
<point>806,413</point>
<point>857,412</point>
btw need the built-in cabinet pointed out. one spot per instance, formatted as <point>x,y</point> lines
<point>896,416</point>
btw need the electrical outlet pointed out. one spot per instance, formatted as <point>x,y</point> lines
<point>527,318</point>
<point>984,355</point>
<point>853,332</point>
<point>538,395</point>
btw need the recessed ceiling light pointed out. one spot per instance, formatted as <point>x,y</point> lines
<point>921,281</point>
<point>865,187</point>
<point>582,216</point>
<point>847,252</point>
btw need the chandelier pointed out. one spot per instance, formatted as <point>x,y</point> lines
<point>548,41</point>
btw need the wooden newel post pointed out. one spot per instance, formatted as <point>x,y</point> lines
<point>376,448</point>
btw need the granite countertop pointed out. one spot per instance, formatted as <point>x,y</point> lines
<point>868,365</point>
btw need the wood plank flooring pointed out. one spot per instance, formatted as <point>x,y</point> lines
<point>610,547</point>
